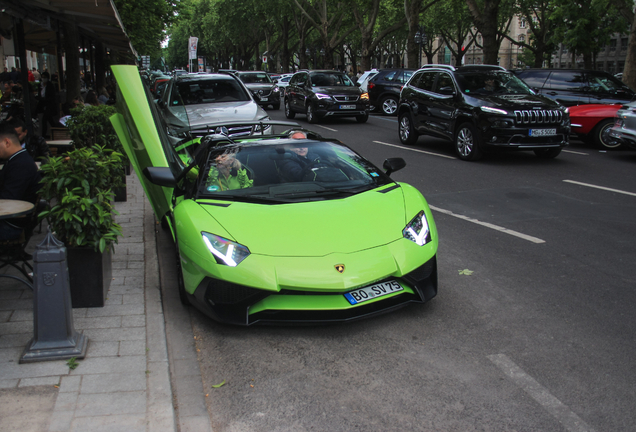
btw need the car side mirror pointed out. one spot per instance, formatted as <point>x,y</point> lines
<point>160,176</point>
<point>393,164</point>
<point>160,103</point>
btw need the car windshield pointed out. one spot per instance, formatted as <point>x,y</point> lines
<point>491,82</point>
<point>255,78</point>
<point>286,170</point>
<point>327,79</point>
<point>203,91</point>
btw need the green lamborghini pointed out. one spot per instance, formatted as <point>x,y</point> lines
<point>278,226</point>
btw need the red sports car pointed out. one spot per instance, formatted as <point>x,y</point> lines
<point>592,123</point>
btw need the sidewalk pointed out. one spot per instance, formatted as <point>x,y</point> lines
<point>124,383</point>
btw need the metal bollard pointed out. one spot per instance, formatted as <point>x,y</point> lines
<point>54,336</point>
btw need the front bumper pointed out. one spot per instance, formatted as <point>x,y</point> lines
<point>337,109</point>
<point>241,305</point>
<point>519,138</point>
<point>625,136</point>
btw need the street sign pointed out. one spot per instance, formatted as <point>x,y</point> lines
<point>192,48</point>
<point>264,59</point>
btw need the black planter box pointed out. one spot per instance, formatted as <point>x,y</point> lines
<point>89,274</point>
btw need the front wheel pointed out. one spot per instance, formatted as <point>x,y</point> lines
<point>362,118</point>
<point>406,131</point>
<point>389,105</point>
<point>311,114</point>
<point>601,135</point>
<point>288,111</point>
<point>467,143</point>
<point>549,153</point>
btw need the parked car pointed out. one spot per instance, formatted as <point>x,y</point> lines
<point>365,77</point>
<point>269,250</point>
<point>572,87</point>
<point>263,88</point>
<point>384,89</point>
<point>624,128</point>
<point>480,108</point>
<point>592,123</point>
<point>325,93</point>
<point>283,82</point>
<point>201,100</point>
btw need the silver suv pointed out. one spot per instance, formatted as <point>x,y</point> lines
<point>208,102</point>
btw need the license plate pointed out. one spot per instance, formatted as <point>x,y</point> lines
<point>347,107</point>
<point>373,291</point>
<point>264,99</point>
<point>542,132</point>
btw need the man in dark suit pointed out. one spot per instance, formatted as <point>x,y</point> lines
<point>47,104</point>
<point>33,143</point>
<point>19,179</point>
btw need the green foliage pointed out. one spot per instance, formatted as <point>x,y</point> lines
<point>72,363</point>
<point>79,184</point>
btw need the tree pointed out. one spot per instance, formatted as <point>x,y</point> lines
<point>453,21</point>
<point>412,10</point>
<point>485,15</point>
<point>146,21</point>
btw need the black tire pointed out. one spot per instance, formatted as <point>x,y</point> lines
<point>164,223</point>
<point>276,106</point>
<point>311,114</point>
<point>362,118</point>
<point>406,131</point>
<point>601,136</point>
<point>183,295</point>
<point>288,111</point>
<point>549,153</point>
<point>389,105</point>
<point>467,143</point>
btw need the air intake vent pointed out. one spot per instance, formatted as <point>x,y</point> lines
<point>538,116</point>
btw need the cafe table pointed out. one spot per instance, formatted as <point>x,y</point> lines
<point>14,208</point>
<point>11,209</point>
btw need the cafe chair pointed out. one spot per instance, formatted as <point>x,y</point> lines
<point>13,252</point>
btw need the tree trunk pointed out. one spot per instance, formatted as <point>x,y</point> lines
<point>629,72</point>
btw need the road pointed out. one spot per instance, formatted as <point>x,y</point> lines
<point>539,337</point>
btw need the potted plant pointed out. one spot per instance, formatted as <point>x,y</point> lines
<point>90,126</point>
<point>79,190</point>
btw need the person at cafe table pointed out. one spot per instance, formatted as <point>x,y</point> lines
<point>33,143</point>
<point>19,179</point>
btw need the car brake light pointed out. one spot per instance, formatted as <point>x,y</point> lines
<point>370,86</point>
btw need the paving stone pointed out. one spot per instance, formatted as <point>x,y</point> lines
<point>27,294</point>
<point>135,265</point>
<point>9,355</point>
<point>114,299</point>
<point>61,421</point>
<point>8,383</point>
<point>116,334</point>
<point>135,281</point>
<point>124,257</point>
<point>133,321</point>
<point>118,280</point>
<point>22,315</point>
<point>115,310</point>
<point>125,289</point>
<point>104,365</point>
<point>79,312</point>
<point>110,383</point>
<point>33,370</point>
<point>194,424</point>
<point>66,401</point>
<point>15,340</point>
<point>128,348</point>
<point>123,272</point>
<point>133,299</point>
<point>102,349</point>
<point>70,384</point>
<point>9,328</point>
<point>110,423</point>
<point>96,323</point>
<point>30,382</point>
<point>5,315</point>
<point>108,404</point>
<point>134,249</point>
<point>119,265</point>
<point>14,304</point>
<point>10,294</point>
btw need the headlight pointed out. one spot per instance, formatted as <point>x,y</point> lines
<point>225,252</point>
<point>364,96</point>
<point>417,230</point>
<point>322,96</point>
<point>275,89</point>
<point>493,110</point>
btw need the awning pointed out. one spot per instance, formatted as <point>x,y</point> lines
<point>95,19</point>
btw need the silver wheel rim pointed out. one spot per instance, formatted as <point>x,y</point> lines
<point>465,142</point>
<point>606,139</point>
<point>310,113</point>
<point>389,106</point>
<point>287,110</point>
<point>405,128</point>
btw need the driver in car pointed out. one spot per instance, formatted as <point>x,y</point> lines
<point>227,174</point>
<point>293,168</point>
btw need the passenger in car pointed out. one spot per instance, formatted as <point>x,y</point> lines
<point>227,174</point>
<point>294,167</point>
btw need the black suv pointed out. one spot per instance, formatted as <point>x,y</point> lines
<point>577,86</point>
<point>264,90</point>
<point>325,93</point>
<point>478,108</point>
<point>384,89</point>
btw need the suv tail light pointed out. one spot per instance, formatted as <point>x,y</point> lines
<point>370,86</point>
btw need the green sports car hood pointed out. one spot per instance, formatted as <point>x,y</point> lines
<point>355,223</point>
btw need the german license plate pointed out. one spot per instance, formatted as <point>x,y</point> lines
<point>264,99</point>
<point>347,107</point>
<point>542,132</point>
<point>373,291</point>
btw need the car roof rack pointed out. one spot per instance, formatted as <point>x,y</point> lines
<point>484,67</point>
<point>438,66</point>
